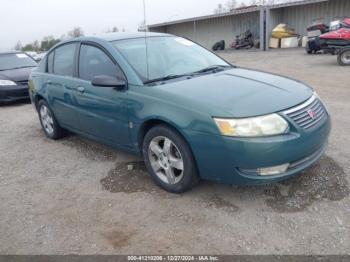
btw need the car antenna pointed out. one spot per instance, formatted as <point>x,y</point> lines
<point>146,40</point>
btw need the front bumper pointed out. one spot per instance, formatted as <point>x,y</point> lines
<point>11,94</point>
<point>229,160</point>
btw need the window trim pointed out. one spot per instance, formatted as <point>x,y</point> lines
<point>104,50</point>
<point>76,43</point>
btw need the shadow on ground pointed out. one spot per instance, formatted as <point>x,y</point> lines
<point>324,181</point>
<point>92,150</point>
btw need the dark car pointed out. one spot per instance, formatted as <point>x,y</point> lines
<point>15,68</point>
<point>189,113</point>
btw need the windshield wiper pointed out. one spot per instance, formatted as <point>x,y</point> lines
<point>215,68</point>
<point>164,78</point>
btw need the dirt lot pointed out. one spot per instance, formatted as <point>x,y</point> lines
<point>74,196</point>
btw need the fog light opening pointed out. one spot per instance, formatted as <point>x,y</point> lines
<point>274,170</point>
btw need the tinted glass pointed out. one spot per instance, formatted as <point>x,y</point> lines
<point>166,56</point>
<point>50,62</point>
<point>19,60</point>
<point>42,65</point>
<point>93,62</point>
<point>64,60</point>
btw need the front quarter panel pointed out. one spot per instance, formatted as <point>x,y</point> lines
<point>149,103</point>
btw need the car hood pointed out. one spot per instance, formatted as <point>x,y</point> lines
<point>21,74</point>
<point>238,92</point>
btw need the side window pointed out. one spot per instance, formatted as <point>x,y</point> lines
<point>64,60</point>
<point>50,62</point>
<point>42,65</point>
<point>93,62</point>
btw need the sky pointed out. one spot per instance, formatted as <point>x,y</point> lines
<point>29,20</point>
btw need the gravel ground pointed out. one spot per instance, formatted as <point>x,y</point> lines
<point>75,196</point>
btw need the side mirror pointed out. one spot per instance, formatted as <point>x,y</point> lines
<point>109,81</point>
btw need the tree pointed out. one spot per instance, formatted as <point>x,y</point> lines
<point>227,7</point>
<point>263,2</point>
<point>219,9</point>
<point>76,32</point>
<point>36,46</point>
<point>47,42</point>
<point>143,27</point>
<point>113,30</point>
<point>230,5</point>
<point>18,46</point>
<point>28,48</point>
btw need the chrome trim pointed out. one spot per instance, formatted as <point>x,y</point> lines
<point>303,105</point>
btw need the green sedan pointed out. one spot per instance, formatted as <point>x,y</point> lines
<point>189,113</point>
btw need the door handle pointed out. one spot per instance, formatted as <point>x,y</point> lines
<point>80,89</point>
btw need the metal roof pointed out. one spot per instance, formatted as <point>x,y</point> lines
<point>296,3</point>
<point>237,11</point>
<point>198,18</point>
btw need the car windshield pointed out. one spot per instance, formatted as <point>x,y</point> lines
<point>167,57</point>
<point>17,60</point>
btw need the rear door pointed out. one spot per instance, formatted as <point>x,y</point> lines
<point>61,82</point>
<point>103,111</point>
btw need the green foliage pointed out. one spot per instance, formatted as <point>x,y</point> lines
<point>48,42</point>
<point>28,47</point>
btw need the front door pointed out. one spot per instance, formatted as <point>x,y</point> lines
<point>102,111</point>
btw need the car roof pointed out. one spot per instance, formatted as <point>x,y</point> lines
<point>123,35</point>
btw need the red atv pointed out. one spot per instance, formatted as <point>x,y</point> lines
<point>334,42</point>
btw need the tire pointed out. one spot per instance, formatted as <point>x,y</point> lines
<point>344,58</point>
<point>222,45</point>
<point>164,162</point>
<point>308,49</point>
<point>48,122</point>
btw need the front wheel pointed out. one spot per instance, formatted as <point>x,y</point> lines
<point>344,58</point>
<point>48,122</point>
<point>169,160</point>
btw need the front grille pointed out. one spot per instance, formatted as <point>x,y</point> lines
<point>23,82</point>
<point>308,114</point>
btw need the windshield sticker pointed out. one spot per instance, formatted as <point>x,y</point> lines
<point>21,55</point>
<point>184,41</point>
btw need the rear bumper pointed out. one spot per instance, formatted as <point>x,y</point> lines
<point>11,94</point>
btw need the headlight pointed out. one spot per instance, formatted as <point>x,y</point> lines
<point>253,127</point>
<point>7,83</point>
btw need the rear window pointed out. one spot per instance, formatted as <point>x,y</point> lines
<point>63,63</point>
<point>14,61</point>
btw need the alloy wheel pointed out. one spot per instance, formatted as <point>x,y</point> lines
<point>46,119</point>
<point>166,160</point>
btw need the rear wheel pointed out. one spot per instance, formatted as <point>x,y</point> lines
<point>308,49</point>
<point>169,160</point>
<point>48,122</point>
<point>344,58</point>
